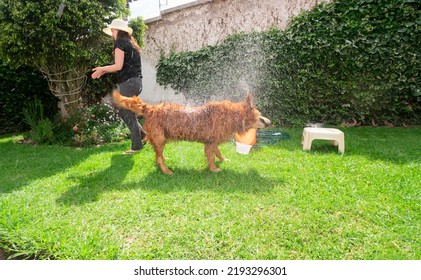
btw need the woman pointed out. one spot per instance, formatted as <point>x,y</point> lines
<point>127,65</point>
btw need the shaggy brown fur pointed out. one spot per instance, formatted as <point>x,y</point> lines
<point>211,124</point>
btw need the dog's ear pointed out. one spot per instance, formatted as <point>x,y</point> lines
<point>249,100</point>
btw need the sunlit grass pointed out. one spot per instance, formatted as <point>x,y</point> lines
<point>278,202</point>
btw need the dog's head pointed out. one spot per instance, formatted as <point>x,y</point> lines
<point>256,120</point>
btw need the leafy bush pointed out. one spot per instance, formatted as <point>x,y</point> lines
<point>88,126</point>
<point>43,132</point>
<point>22,86</point>
<point>41,127</point>
<point>224,71</point>
<point>356,60</point>
<point>93,125</point>
<point>349,60</point>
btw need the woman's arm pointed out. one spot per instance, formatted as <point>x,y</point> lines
<point>117,66</point>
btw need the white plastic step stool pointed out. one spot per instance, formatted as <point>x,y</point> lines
<point>335,135</point>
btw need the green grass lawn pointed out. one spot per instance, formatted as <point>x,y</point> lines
<point>278,202</point>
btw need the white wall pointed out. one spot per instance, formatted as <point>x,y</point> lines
<point>152,92</point>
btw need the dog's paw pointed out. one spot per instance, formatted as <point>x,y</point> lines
<point>215,170</point>
<point>167,171</point>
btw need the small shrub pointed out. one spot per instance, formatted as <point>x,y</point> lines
<point>43,132</point>
<point>92,125</point>
<point>41,127</point>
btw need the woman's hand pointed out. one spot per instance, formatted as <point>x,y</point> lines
<point>98,72</point>
<point>117,66</point>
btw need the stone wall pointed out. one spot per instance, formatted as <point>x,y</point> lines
<point>208,22</point>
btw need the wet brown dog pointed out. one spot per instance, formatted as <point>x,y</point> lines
<point>210,124</point>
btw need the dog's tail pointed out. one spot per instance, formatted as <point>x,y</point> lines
<point>134,104</point>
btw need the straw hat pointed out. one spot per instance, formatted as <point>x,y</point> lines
<point>118,24</point>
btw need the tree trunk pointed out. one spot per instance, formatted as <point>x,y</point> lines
<point>67,85</point>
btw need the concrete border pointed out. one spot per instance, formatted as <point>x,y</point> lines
<point>177,8</point>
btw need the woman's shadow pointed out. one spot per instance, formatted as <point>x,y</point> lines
<point>91,186</point>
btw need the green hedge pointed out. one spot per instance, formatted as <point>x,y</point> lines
<point>346,61</point>
<point>19,88</point>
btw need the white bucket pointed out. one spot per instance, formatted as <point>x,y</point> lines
<point>242,148</point>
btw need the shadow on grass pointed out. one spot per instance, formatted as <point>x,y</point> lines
<point>397,145</point>
<point>20,164</point>
<point>90,187</point>
<point>226,181</point>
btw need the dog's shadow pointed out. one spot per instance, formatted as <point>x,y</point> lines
<point>90,187</point>
<point>226,181</point>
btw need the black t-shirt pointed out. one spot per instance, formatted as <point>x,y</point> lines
<point>132,66</point>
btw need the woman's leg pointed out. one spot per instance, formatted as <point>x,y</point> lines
<point>130,119</point>
<point>132,87</point>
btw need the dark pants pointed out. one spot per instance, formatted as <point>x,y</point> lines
<point>129,88</point>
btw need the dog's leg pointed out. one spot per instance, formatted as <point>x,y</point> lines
<point>218,154</point>
<point>158,144</point>
<point>210,152</point>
